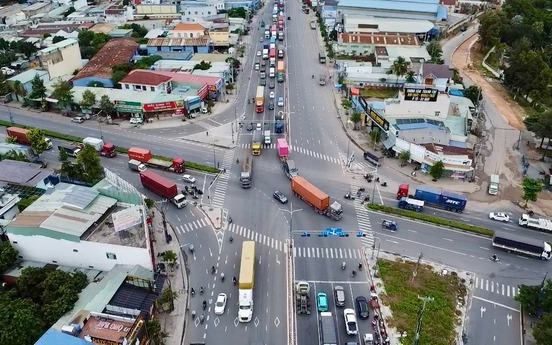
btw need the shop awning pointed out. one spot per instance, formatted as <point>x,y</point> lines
<point>388,143</point>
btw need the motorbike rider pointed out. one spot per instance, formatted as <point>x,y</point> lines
<point>353,273</point>
<point>494,257</point>
<point>192,291</point>
<point>360,266</point>
<point>201,290</point>
<point>204,304</point>
<point>234,280</point>
<point>343,265</point>
<point>222,276</point>
<point>213,269</point>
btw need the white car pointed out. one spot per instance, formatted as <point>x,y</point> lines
<point>136,121</point>
<point>500,216</point>
<point>259,126</point>
<point>350,321</point>
<point>258,53</point>
<point>280,101</point>
<point>188,178</point>
<point>220,304</point>
<point>271,95</point>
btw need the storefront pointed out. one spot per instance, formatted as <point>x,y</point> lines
<point>151,109</point>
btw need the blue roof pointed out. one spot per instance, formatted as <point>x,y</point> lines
<point>54,337</point>
<point>442,13</point>
<point>455,143</point>
<point>401,5</point>
<point>456,92</point>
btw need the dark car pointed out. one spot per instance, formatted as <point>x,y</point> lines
<point>280,197</point>
<point>263,82</point>
<point>250,127</point>
<point>362,307</point>
<point>339,296</point>
<point>271,85</point>
<point>271,105</point>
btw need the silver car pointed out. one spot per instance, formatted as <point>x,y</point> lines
<point>339,295</point>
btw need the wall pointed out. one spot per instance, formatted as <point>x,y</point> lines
<point>71,61</point>
<point>157,9</point>
<point>82,255</point>
<point>195,13</point>
<point>219,37</point>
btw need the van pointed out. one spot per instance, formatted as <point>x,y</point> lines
<point>494,182</point>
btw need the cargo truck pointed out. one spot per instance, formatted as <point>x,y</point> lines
<point>523,245</point>
<point>283,149</point>
<point>259,99</point>
<point>71,151</point>
<point>373,158</point>
<point>162,187</point>
<point>411,204</point>
<point>20,136</point>
<point>290,169</point>
<point>494,181</point>
<point>246,176</point>
<point>313,196</point>
<point>107,150</point>
<point>540,224</point>
<point>327,329</point>
<point>145,156</point>
<point>267,137</point>
<point>436,198</point>
<point>256,143</point>
<point>281,71</point>
<point>27,151</point>
<point>246,282</point>
<point>135,165</point>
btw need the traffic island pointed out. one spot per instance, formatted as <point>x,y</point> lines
<point>417,300</point>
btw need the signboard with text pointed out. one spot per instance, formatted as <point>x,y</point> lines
<point>160,106</point>
<point>378,119</point>
<point>126,106</point>
<point>421,95</point>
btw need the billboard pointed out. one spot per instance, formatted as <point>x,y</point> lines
<point>126,218</point>
<point>421,95</point>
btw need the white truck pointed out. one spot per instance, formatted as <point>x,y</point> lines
<point>540,224</point>
<point>494,182</point>
<point>267,138</point>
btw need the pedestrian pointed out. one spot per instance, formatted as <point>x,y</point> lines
<point>157,116</point>
<point>218,165</point>
<point>207,133</point>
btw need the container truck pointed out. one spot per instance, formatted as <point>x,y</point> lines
<point>246,282</point>
<point>436,198</point>
<point>27,151</point>
<point>282,148</point>
<point>162,187</point>
<point>256,143</point>
<point>267,137</point>
<point>281,71</point>
<point>145,156</point>
<point>411,204</point>
<point>523,245</point>
<point>327,329</point>
<point>540,224</point>
<point>20,136</point>
<point>494,181</point>
<point>259,99</point>
<point>71,151</point>
<point>104,149</point>
<point>246,176</point>
<point>135,165</point>
<point>313,196</point>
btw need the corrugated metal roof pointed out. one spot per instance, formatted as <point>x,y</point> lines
<point>54,337</point>
<point>401,6</point>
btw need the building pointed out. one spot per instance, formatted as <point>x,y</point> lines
<point>218,68</point>
<point>195,13</point>
<point>42,29</point>
<point>179,46</point>
<point>23,82</point>
<point>366,43</point>
<point>220,34</point>
<point>76,226</point>
<point>436,76</point>
<point>24,174</point>
<point>400,9</point>
<point>8,207</point>
<point>158,11</point>
<point>373,25</point>
<point>37,8</point>
<point>99,69</point>
<point>187,30</point>
<point>61,58</point>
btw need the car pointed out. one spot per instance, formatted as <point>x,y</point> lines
<point>77,119</point>
<point>280,197</point>
<point>362,307</point>
<point>271,85</point>
<point>271,105</point>
<point>350,321</point>
<point>368,339</point>
<point>188,178</point>
<point>263,82</point>
<point>280,101</point>
<point>258,53</point>
<point>220,304</point>
<point>339,296</point>
<point>271,95</point>
<point>259,126</point>
<point>322,301</point>
<point>263,63</point>
<point>500,216</point>
<point>8,71</point>
<point>249,127</point>
<point>136,120</point>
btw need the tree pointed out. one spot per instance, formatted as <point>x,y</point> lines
<point>37,139</point>
<point>155,331</point>
<point>149,203</point>
<point>237,12</point>
<point>404,157</point>
<point>88,99</point>
<point>375,137</point>
<point>435,51</point>
<point>203,65</point>
<point>541,124</point>
<point>39,90</point>
<point>490,27</point>
<point>531,189</point>
<point>8,256</point>
<point>542,332</point>
<point>57,39</point>
<point>15,156</point>
<point>346,104</point>
<point>436,170</point>
<point>106,106</point>
<point>410,77</point>
<point>399,67</point>
<point>20,319</point>
<point>528,297</point>
<point>10,140</point>
<point>63,94</point>
<point>355,119</point>
<point>90,162</point>
<point>474,93</point>
<point>18,89</point>
<point>170,257</point>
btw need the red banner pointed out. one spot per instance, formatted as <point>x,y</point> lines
<point>161,106</point>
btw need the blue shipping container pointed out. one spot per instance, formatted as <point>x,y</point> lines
<point>453,199</point>
<point>427,194</point>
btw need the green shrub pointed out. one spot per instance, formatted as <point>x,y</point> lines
<point>432,219</point>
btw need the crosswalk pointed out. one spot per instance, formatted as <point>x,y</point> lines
<point>221,185</point>
<point>257,237</point>
<point>327,253</point>
<point>298,150</point>
<point>495,287</point>
<point>192,226</point>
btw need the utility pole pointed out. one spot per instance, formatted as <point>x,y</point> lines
<point>419,326</point>
<point>415,273</point>
<point>291,211</point>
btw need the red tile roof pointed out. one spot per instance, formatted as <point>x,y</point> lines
<point>189,27</point>
<point>114,52</point>
<point>145,77</point>
<point>379,39</point>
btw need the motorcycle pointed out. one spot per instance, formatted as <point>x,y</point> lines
<point>360,267</point>
<point>362,189</point>
<point>234,280</point>
<point>213,270</point>
<point>193,314</point>
<point>495,258</point>
<point>353,273</point>
<point>201,290</point>
<point>367,198</point>
<point>229,220</point>
<point>192,292</point>
<point>201,319</point>
<point>194,196</point>
<point>349,196</point>
<point>222,277</point>
<point>204,305</point>
<point>384,184</point>
<point>343,265</point>
<point>359,194</point>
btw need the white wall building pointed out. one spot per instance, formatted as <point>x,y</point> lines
<point>61,58</point>
<point>197,13</point>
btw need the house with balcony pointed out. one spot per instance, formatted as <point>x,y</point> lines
<point>435,76</point>
<point>61,58</point>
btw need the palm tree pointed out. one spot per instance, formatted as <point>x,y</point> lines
<point>399,67</point>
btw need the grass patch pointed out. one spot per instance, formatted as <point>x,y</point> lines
<point>119,149</point>
<point>401,295</point>
<point>379,93</point>
<point>432,219</point>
